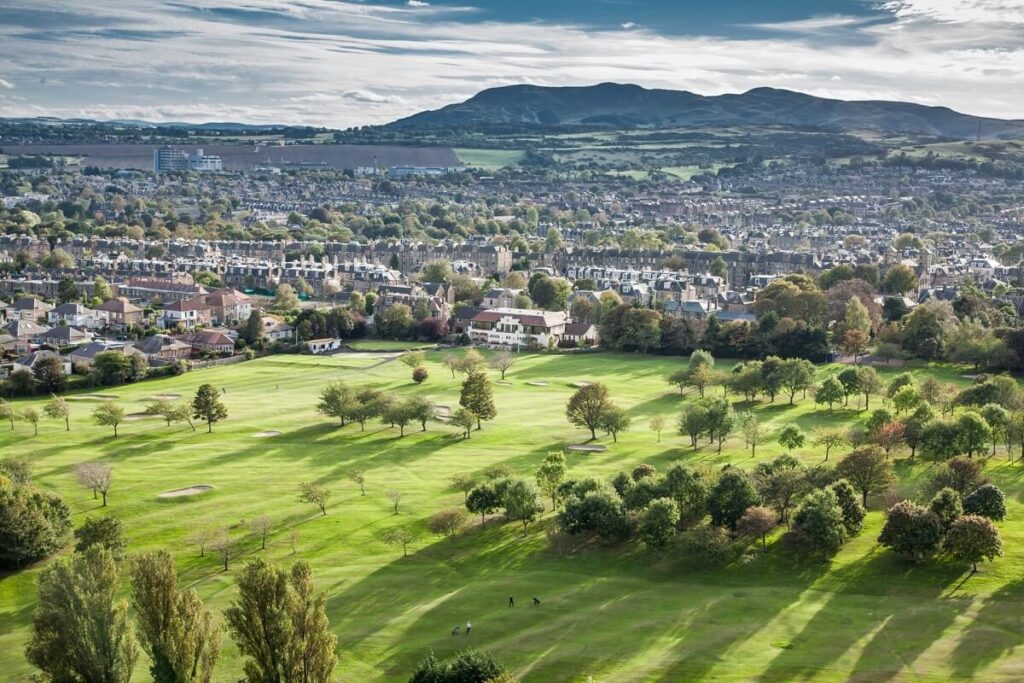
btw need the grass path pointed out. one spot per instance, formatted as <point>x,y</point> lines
<point>619,614</point>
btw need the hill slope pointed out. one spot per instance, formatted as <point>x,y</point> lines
<point>618,106</point>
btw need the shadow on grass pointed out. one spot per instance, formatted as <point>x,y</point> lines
<point>995,630</point>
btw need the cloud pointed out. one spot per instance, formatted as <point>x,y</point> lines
<point>417,3</point>
<point>343,62</point>
<point>6,84</point>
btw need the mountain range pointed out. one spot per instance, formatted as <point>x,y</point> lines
<point>622,106</point>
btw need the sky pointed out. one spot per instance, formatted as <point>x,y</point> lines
<point>342,63</point>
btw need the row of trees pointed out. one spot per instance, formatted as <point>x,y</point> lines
<point>81,631</point>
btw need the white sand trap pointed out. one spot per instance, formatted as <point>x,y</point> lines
<point>267,434</point>
<point>93,397</point>
<point>442,410</point>
<point>132,417</point>
<point>580,385</point>
<point>503,383</point>
<point>588,448</point>
<point>165,397</point>
<point>537,384</point>
<point>190,491</point>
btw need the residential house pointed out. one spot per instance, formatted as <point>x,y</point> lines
<point>209,340</point>
<point>23,329</point>
<point>501,297</point>
<point>185,314</point>
<point>120,313</point>
<point>513,327</point>
<point>228,306</point>
<point>162,347</point>
<point>12,345</point>
<point>28,308</point>
<point>462,316</point>
<point>275,329</point>
<point>77,315</point>
<point>28,362</point>
<point>324,345</point>
<point>579,334</point>
<point>84,356</point>
<point>64,335</point>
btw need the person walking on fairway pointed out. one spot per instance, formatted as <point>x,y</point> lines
<point>455,631</point>
<point>469,627</point>
<point>511,601</point>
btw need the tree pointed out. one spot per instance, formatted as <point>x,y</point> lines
<point>998,420</point>
<point>854,343</point>
<point>829,439</point>
<point>108,414</point>
<point>819,519</point>
<point>447,522</point>
<point>614,420</point>
<point>899,279</point>
<point>987,501</point>
<point>587,406</point>
<point>7,411</point>
<point>503,361</point>
<point>870,383</point>
<point>856,316</point>
<point>420,375</point>
<point>779,483</point>
<point>656,424</point>
<point>730,498</point>
<point>960,474</point>
<point>224,546</point>
<point>280,624</point>
<point>105,532</point>
<point>754,432</point>
<point>914,427</point>
<point>757,521</point>
<point>33,522</point>
<point>336,400</point>
<point>48,373</point>
<point>468,666</point>
<point>316,494</point>
<point>31,415</point>
<point>868,471</point>
<point>202,536</point>
<point>94,475</point>
<point>851,384</point>
<point>908,398</point>
<point>694,421</point>
<point>947,507</point>
<point>595,510</point>
<point>58,409</point>
<point>438,270</point>
<point>550,293</point>
<point>260,525</point>
<point>21,383</point>
<point>911,531</point>
<point>176,629</point>
<point>521,500</point>
<point>796,374</point>
<point>831,391</point>
<point>483,500</point>
<point>463,481</point>
<point>358,477</point>
<point>101,290</point>
<point>478,396</point>
<point>889,436</point>
<point>400,537</point>
<point>551,476</point>
<point>972,433</point>
<point>973,538</point>
<point>80,632</point>
<point>252,332</point>
<point>791,437</point>
<point>658,522</point>
<point>853,510</point>
<point>207,406</point>
<point>465,420</point>
<point>412,359</point>
<point>395,496</point>
<point>451,361</point>
<point>285,299</point>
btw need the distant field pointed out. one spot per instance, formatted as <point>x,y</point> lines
<point>618,613</point>
<point>386,345</point>
<point>489,159</point>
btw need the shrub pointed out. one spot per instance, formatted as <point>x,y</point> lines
<point>419,375</point>
<point>468,666</point>
<point>911,531</point>
<point>447,522</point>
<point>33,524</point>
<point>658,522</point>
<point>105,532</point>
<point>947,507</point>
<point>709,544</point>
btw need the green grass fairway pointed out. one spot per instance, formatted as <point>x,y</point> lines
<point>615,613</point>
<point>386,345</point>
<point>489,159</point>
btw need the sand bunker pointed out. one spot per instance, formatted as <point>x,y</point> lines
<point>537,384</point>
<point>132,417</point>
<point>267,434</point>
<point>165,397</point>
<point>503,383</point>
<point>442,410</point>
<point>580,385</point>
<point>93,397</point>
<point>190,491</point>
<point>588,448</point>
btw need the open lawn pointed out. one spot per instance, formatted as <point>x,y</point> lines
<point>387,345</point>
<point>489,159</point>
<point>616,613</point>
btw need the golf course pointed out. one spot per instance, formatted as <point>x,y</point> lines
<point>608,612</point>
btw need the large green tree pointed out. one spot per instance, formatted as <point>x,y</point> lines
<point>207,406</point>
<point>478,396</point>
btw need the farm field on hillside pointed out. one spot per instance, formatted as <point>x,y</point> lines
<point>617,613</point>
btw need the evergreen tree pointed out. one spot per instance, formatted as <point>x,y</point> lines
<point>478,397</point>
